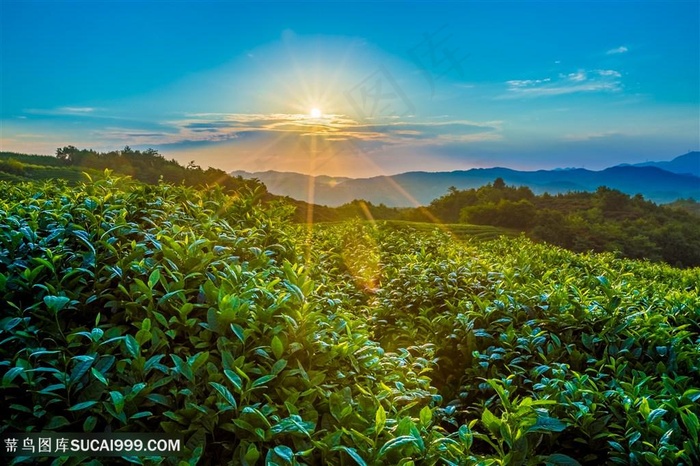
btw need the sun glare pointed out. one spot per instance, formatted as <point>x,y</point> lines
<point>315,113</point>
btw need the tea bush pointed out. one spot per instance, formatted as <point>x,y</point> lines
<point>156,308</point>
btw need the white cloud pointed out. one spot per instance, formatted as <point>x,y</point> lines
<point>579,76</point>
<point>617,50</point>
<point>593,136</point>
<point>527,82</point>
<point>76,109</point>
<point>613,73</point>
<point>62,111</point>
<point>578,81</point>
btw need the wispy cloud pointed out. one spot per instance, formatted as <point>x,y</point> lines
<point>577,77</point>
<point>62,111</point>
<point>515,83</point>
<point>268,128</point>
<point>593,136</point>
<point>574,82</point>
<point>613,73</point>
<point>617,50</point>
<point>220,127</point>
<point>76,109</point>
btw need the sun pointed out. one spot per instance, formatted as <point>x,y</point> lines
<point>315,113</point>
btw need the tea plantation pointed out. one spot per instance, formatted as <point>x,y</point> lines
<point>128,307</point>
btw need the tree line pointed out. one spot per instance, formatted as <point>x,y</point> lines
<point>151,167</point>
<point>600,221</point>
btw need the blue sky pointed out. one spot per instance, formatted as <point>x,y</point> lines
<point>397,86</point>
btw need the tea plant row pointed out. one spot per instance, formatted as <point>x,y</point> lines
<point>156,308</point>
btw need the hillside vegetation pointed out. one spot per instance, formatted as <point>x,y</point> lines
<point>148,166</point>
<point>605,220</point>
<point>130,307</point>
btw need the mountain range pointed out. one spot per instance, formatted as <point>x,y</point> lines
<point>657,181</point>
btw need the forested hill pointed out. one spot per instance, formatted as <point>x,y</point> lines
<point>148,166</point>
<point>605,220</point>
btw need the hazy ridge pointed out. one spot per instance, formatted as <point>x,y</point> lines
<point>657,181</point>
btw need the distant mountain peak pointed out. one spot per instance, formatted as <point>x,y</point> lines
<point>656,183</point>
<point>683,164</point>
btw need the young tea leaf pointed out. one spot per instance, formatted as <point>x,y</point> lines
<point>379,419</point>
<point>223,391</point>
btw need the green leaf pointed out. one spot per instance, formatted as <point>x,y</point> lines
<point>252,454</point>
<point>98,375</point>
<point>112,340</point>
<point>136,389</point>
<point>56,303</point>
<point>89,424</point>
<point>547,424</point>
<point>426,415</point>
<point>241,424</point>
<point>655,414</point>
<point>492,423</point>
<point>352,453</point>
<point>617,446</point>
<point>181,367</point>
<point>9,324</point>
<point>56,422</point>
<point>81,369</point>
<point>163,299</point>
<point>160,318</point>
<point>117,401</point>
<point>143,336</point>
<point>278,366</point>
<point>558,459</point>
<point>153,278</point>
<point>238,331</point>
<point>340,403</point>
<point>235,380</point>
<point>51,388</point>
<point>158,398</point>
<point>154,363</point>
<point>262,381</point>
<point>693,394</point>
<point>132,346</point>
<point>690,419</point>
<point>634,437</point>
<point>198,360</point>
<point>10,375</point>
<point>284,452</point>
<point>225,393</point>
<point>83,405</point>
<point>146,324</point>
<point>466,436</point>
<point>666,437</point>
<point>396,443</point>
<point>644,408</point>
<point>379,419</point>
<point>277,347</point>
<point>20,408</point>
<point>97,334</point>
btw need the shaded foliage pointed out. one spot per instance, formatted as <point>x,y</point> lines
<point>605,220</point>
<point>149,166</point>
